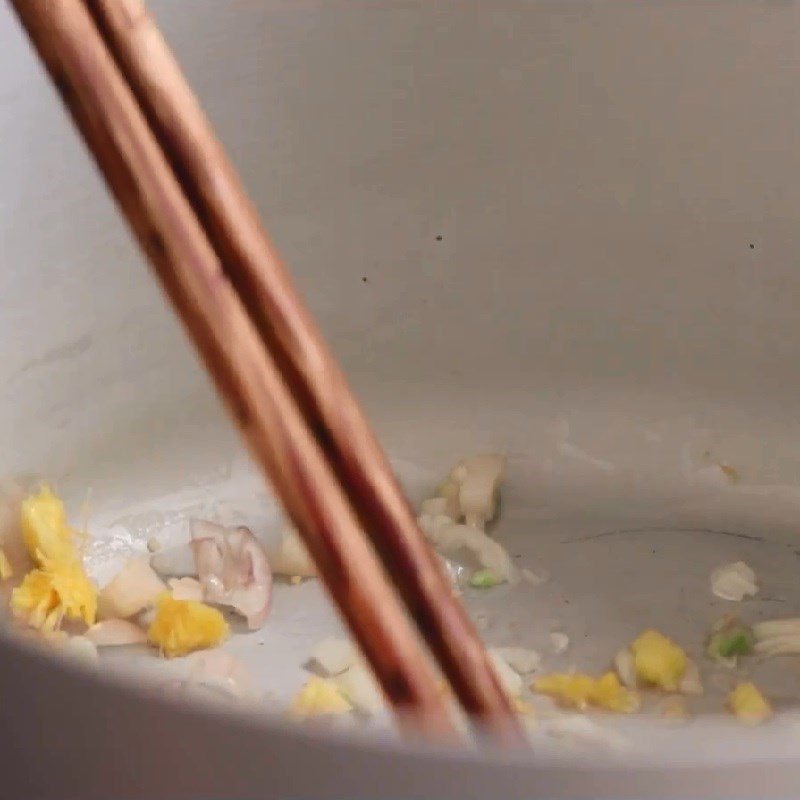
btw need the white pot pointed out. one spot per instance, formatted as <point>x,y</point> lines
<point>567,231</point>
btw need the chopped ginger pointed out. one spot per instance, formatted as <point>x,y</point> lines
<point>6,570</point>
<point>658,661</point>
<point>59,587</point>
<point>54,591</point>
<point>181,626</point>
<point>581,691</point>
<point>749,705</point>
<point>317,698</point>
<point>45,531</point>
<point>522,707</point>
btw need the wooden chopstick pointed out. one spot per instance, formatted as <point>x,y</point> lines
<point>254,269</point>
<point>271,423</point>
<point>140,178</point>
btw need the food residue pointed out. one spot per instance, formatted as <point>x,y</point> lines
<point>57,587</point>
<point>229,567</point>
<point>734,581</point>
<point>674,707</point>
<point>658,661</point>
<point>6,570</point>
<point>777,637</point>
<point>728,639</point>
<point>319,697</point>
<point>581,691</point>
<point>52,592</point>
<point>181,626</point>
<point>134,588</point>
<point>748,704</point>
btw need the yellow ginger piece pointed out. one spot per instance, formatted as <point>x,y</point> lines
<point>658,661</point>
<point>319,697</point>
<point>580,691</point>
<point>44,527</point>
<point>54,591</point>
<point>749,705</point>
<point>58,587</point>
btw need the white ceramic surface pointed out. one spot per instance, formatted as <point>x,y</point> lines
<point>563,230</point>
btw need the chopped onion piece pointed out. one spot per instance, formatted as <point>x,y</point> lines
<point>434,506</point>
<point>448,490</point>
<point>471,490</point>
<point>132,589</point>
<point>219,670</point>
<point>479,491</point>
<point>510,681</point>
<point>581,730</point>
<point>522,660</point>
<point>734,581</point>
<point>623,663</point>
<point>490,555</point>
<point>430,525</point>
<point>186,589</point>
<point>233,569</point>
<point>779,645</point>
<point>116,633</point>
<point>458,573</point>
<point>559,642</point>
<point>292,557</point>
<point>80,648</point>
<point>535,578</point>
<point>777,627</point>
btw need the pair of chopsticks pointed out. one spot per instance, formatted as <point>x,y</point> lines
<point>303,427</point>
